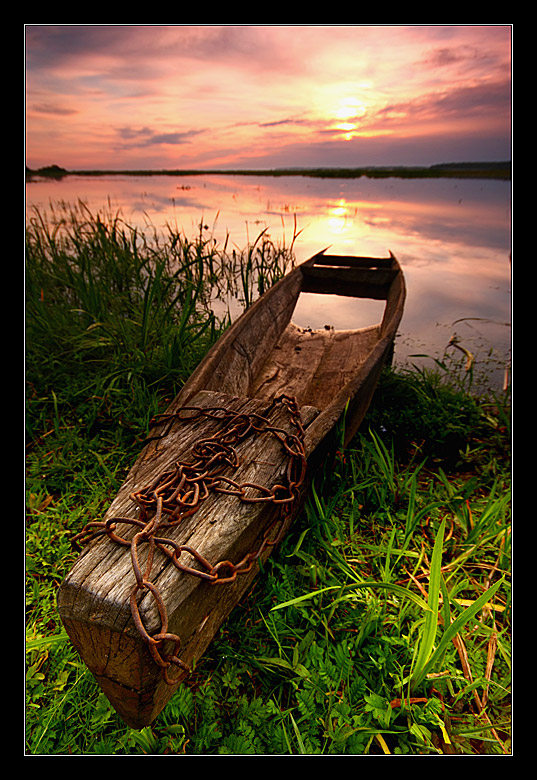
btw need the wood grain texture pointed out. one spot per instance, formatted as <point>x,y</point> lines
<point>332,374</point>
<point>94,598</point>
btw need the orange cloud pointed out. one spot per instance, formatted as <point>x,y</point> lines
<point>190,95</point>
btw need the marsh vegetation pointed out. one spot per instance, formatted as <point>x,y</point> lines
<point>481,170</point>
<point>381,624</point>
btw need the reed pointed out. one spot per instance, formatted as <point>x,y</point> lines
<point>123,311</point>
<point>381,624</point>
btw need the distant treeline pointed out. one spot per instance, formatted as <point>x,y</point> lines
<point>470,170</point>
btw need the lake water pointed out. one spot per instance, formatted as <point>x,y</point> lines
<point>451,236</point>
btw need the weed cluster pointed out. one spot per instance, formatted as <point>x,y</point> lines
<point>381,624</point>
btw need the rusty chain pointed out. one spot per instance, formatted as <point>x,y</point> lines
<point>178,493</point>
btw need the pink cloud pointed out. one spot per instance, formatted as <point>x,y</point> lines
<point>181,95</point>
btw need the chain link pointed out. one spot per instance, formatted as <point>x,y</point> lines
<point>178,493</point>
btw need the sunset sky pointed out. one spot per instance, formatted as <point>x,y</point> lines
<point>266,96</point>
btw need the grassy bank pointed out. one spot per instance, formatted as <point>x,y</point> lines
<point>381,624</point>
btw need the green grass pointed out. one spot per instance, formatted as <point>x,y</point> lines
<point>381,624</point>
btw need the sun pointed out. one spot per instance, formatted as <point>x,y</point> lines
<point>349,108</point>
<point>343,108</point>
<point>347,114</point>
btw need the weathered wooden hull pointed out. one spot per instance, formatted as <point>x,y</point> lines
<point>332,375</point>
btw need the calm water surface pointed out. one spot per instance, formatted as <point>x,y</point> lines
<point>451,236</point>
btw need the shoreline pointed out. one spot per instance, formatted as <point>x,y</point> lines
<point>485,170</point>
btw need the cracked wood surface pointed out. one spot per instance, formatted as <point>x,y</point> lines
<point>332,374</point>
<point>94,598</point>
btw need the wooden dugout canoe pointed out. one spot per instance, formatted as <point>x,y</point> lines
<point>136,615</point>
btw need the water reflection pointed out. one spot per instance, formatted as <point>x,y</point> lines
<point>451,236</point>
<point>340,218</point>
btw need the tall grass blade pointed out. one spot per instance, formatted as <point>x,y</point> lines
<point>385,460</point>
<point>366,584</point>
<point>38,643</point>
<point>455,627</point>
<point>301,748</point>
<point>431,616</point>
